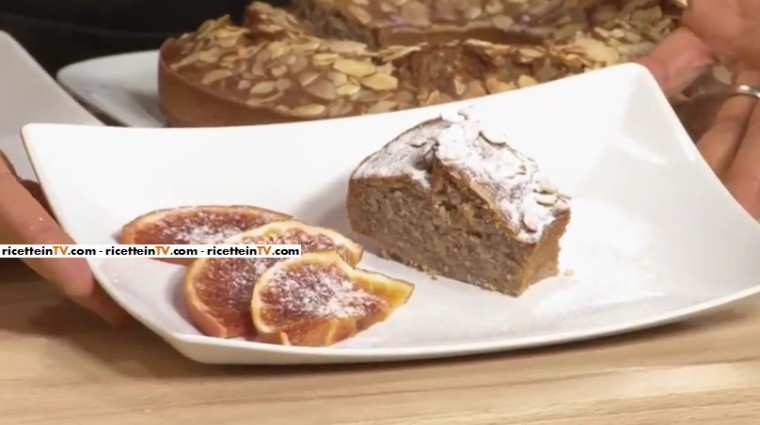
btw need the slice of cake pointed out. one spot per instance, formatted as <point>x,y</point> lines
<point>451,197</point>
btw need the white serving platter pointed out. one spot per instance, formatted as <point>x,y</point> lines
<point>655,237</point>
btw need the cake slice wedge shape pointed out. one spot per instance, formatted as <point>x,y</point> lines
<point>452,197</point>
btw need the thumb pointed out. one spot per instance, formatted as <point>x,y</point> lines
<point>678,61</point>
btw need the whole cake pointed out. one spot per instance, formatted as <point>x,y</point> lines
<point>450,196</point>
<point>338,58</point>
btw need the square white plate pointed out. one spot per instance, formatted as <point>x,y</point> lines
<point>654,237</point>
<point>123,87</point>
<point>29,94</point>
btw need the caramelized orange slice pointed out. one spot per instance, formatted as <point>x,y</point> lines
<point>196,225</point>
<point>218,290</point>
<point>318,299</point>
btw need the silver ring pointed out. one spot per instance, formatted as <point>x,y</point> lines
<point>746,90</point>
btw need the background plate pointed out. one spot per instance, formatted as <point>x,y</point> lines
<point>124,87</point>
<point>29,94</point>
<point>654,238</point>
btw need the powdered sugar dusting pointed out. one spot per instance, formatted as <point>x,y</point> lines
<point>316,292</point>
<point>206,234</point>
<point>479,152</point>
<point>226,284</point>
<point>509,179</point>
<point>206,225</point>
<point>404,156</point>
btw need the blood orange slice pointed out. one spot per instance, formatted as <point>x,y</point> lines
<point>318,299</point>
<point>218,290</point>
<point>204,224</point>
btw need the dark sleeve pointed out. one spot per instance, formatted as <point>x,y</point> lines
<point>60,32</point>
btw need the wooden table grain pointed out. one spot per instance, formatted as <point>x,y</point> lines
<point>59,365</point>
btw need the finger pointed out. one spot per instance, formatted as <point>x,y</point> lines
<point>23,220</point>
<point>678,60</point>
<point>35,190</point>
<point>720,144</point>
<point>6,166</point>
<point>742,178</point>
<point>101,304</point>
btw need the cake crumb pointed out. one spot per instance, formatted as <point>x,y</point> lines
<point>568,273</point>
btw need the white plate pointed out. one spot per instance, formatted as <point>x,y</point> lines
<point>123,87</point>
<point>654,236</point>
<point>29,94</point>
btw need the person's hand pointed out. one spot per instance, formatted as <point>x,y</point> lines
<point>24,220</point>
<point>725,31</point>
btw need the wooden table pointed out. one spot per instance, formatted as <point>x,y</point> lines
<point>59,365</point>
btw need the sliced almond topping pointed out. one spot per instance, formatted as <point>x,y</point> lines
<point>382,106</point>
<point>360,14</point>
<point>545,186</point>
<point>307,78</point>
<point>473,12</point>
<point>380,82</point>
<point>562,205</point>
<point>279,71</point>
<point>459,87</point>
<point>210,56</point>
<point>546,199</point>
<point>526,81</point>
<point>354,68</point>
<point>341,108</point>
<point>324,58</point>
<point>347,89</point>
<point>262,87</point>
<point>298,65</point>
<point>322,89</point>
<point>277,49</point>
<point>531,222</point>
<point>494,137</point>
<point>474,89</point>
<point>310,111</point>
<point>266,99</point>
<point>415,13</point>
<point>503,22</point>
<point>216,75</point>
<point>337,78</point>
<point>495,86</point>
<point>493,7</point>
<point>344,47</point>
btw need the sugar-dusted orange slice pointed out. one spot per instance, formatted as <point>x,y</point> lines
<point>196,225</point>
<point>218,290</point>
<point>319,299</point>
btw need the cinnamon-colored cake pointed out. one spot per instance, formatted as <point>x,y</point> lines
<point>330,60</point>
<point>410,22</point>
<point>450,196</point>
